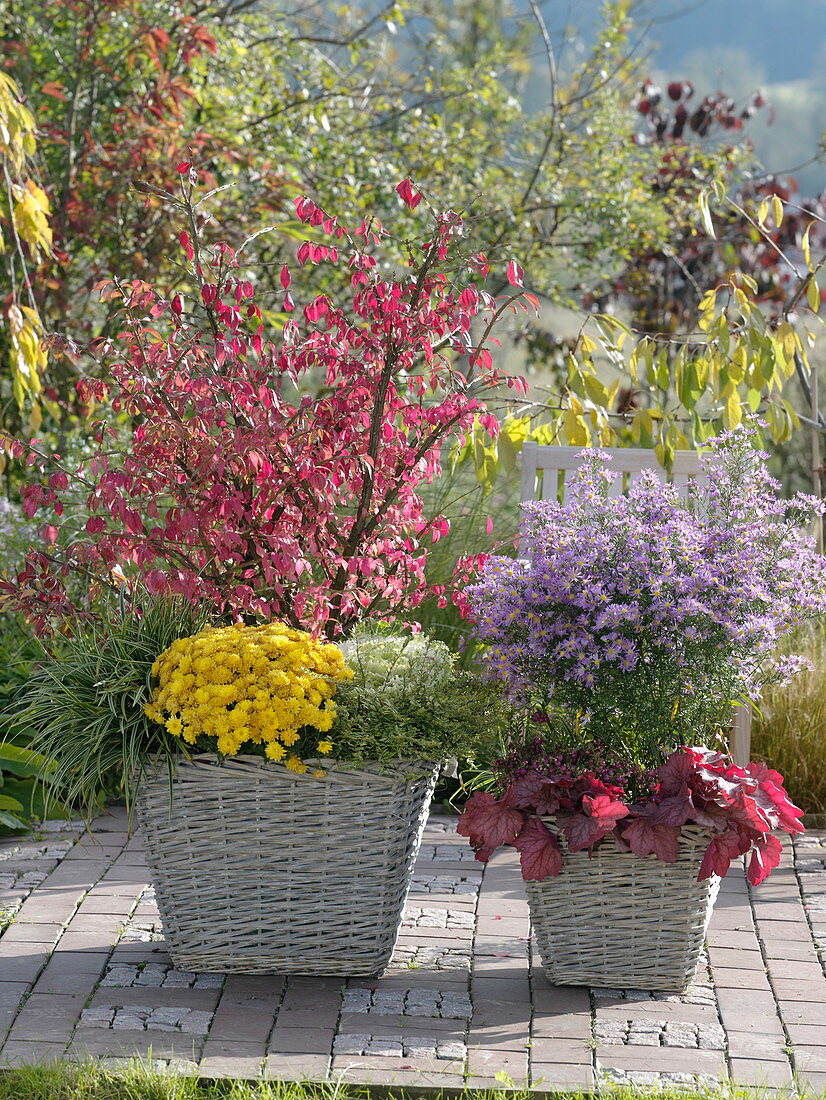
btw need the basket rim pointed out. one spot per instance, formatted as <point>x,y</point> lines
<point>407,767</point>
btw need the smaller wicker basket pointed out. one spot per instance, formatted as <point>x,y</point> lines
<point>622,921</point>
<point>259,870</point>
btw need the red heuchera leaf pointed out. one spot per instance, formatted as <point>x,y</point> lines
<point>674,810</point>
<point>644,837</point>
<point>489,823</point>
<point>604,810</point>
<point>714,785</point>
<point>590,784</point>
<point>539,852</point>
<point>765,856</point>
<point>771,785</point>
<point>710,814</point>
<point>533,791</point>
<point>582,830</point>
<point>723,848</point>
<point>749,811</point>
<point>675,773</point>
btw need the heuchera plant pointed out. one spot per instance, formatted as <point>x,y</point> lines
<point>739,806</point>
<point>276,477</point>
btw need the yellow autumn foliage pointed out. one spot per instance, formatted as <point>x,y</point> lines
<point>25,237</point>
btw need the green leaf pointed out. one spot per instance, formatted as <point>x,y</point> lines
<point>754,397</point>
<point>22,761</point>
<point>596,390</point>
<point>508,452</point>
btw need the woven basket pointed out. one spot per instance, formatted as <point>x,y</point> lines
<point>258,870</point>
<point>619,920</point>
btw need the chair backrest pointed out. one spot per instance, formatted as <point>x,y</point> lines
<point>545,469</point>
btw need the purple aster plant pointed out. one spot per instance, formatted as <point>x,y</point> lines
<point>645,617</point>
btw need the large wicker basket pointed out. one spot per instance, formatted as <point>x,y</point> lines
<point>259,870</point>
<point>615,919</point>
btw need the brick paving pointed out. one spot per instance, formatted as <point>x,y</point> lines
<point>84,971</point>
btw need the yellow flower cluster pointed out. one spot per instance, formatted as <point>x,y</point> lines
<point>265,685</point>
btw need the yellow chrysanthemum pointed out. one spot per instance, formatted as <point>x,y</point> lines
<point>242,685</point>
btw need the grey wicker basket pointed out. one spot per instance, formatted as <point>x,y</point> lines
<point>259,870</point>
<point>618,920</point>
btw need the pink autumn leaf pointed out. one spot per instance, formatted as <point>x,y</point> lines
<point>765,857</point>
<point>408,195</point>
<point>539,852</point>
<point>645,837</point>
<point>515,274</point>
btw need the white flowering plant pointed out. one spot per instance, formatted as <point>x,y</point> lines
<point>408,700</point>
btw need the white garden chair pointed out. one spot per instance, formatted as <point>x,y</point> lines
<point>544,477</point>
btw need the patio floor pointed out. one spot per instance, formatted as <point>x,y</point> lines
<point>84,971</point>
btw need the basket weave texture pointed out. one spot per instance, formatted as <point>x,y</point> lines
<point>258,870</point>
<point>623,921</point>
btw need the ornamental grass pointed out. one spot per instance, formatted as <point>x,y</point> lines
<point>789,730</point>
<point>84,700</point>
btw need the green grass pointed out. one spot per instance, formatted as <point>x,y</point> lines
<point>139,1082</point>
<point>790,731</point>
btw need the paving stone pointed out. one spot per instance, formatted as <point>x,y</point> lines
<point>756,1072</point>
<point>560,1050</point>
<point>27,933</point>
<point>301,1040</point>
<point>97,1017</point>
<point>290,1067</point>
<point>555,1077</point>
<point>25,1052</point>
<point>810,1058</point>
<point>242,1060</point>
<point>135,1043</point>
<point>661,1059</point>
